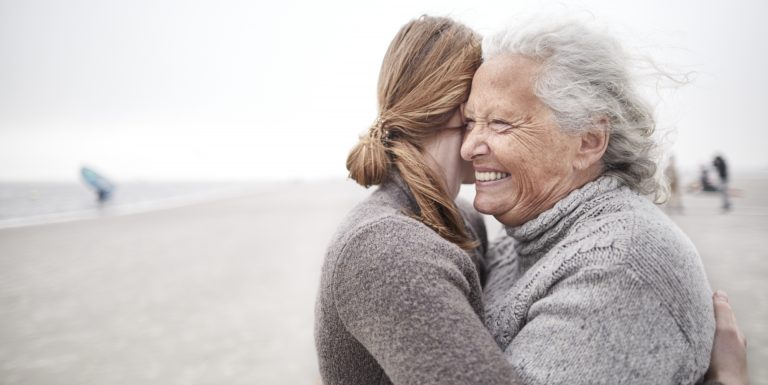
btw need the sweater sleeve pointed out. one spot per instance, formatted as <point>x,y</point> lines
<point>600,326</point>
<point>408,304</point>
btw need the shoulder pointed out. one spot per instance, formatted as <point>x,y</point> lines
<point>377,224</point>
<point>395,262</point>
<point>642,234</point>
<point>667,260</point>
<point>387,244</point>
<point>628,224</point>
<point>632,233</point>
<point>373,219</point>
<point>389,235</point>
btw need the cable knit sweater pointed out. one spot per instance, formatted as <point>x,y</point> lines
<point>399,304</point>
<point>601,289</point>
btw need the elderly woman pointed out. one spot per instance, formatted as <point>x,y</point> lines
<point>594,283</point>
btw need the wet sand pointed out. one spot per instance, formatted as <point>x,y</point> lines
<point>223,292</point>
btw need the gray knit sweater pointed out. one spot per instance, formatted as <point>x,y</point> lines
<point>399,304</point>
<point>601,289</point>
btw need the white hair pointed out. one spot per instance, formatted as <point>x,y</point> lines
<point>585,78</point>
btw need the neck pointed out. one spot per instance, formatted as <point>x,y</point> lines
<point>535,237</point>
<point>546,201</point>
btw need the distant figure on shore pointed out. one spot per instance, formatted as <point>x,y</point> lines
<point>101,185</point>
<point>675,202</point>
<point>722,171</point>
<point>705,181</point>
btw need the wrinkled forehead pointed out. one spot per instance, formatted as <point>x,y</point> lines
<point>504,82</point>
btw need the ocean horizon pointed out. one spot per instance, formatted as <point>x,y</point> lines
<point>35,203</point>
<point>30,203</point>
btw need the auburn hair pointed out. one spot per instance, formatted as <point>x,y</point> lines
<point>425,76</point>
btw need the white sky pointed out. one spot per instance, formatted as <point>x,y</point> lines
<point>180,89</point>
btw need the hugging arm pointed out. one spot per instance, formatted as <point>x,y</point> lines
<point>408,304</point>
<point>729,353</point>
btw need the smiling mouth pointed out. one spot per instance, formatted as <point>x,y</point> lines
<point>490,176</point>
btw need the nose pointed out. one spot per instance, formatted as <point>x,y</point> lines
<point>474,145</point>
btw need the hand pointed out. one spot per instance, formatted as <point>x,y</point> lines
<point>728,364</point>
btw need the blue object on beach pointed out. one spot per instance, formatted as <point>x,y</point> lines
<point>99,183</point>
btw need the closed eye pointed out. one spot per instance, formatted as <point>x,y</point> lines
<point>469,124</point>
<point>501,126</point>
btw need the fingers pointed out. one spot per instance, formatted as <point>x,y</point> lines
<point>720,295</point>
<point>725,319</point>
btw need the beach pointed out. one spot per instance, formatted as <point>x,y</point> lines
<point>223,292</point>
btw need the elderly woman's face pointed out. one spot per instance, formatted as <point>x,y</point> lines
<point>523,163</point>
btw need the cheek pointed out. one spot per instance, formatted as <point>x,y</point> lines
<point>510,153</point>
<point>526,158</point>
<point>455,167</point>
<point>454,143</point>
<point>562,154</point>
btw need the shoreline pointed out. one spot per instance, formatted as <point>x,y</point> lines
<point>93,210</point>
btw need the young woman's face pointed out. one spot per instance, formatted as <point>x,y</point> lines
<point>443,155</point>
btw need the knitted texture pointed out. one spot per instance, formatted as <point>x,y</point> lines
<point>399,304</point>
<point>601,289</point>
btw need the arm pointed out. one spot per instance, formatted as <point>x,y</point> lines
<point>408,303</point>
<point>729,353</point>
<point>600,326</point>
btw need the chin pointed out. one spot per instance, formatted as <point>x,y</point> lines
<point>485,207</point>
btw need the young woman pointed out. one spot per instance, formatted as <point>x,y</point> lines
<point>400,298</point>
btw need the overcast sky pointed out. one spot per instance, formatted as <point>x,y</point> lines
<point>179,89</point>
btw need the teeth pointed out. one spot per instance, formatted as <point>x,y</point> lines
<point>490,176</point>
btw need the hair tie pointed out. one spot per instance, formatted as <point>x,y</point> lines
<point>378,132</point>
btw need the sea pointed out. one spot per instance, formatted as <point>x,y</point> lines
<point>34,203</point>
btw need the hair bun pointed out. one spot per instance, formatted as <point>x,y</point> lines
<point>368,162</point>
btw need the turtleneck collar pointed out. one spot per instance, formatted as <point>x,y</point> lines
<point>537,236</point>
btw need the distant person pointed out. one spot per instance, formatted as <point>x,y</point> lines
<point>722,171</point>
<point>705,181</point>
<point>675,202</point>
<point>101,185</point>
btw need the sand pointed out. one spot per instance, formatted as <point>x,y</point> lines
<point>223,292</point>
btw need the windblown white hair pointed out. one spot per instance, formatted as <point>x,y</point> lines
<point>585,78</point>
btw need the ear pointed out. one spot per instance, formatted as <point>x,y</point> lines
<point>593,144</point>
